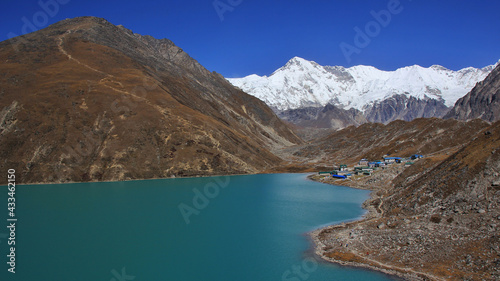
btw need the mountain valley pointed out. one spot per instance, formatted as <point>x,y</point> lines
<point>84,100</point>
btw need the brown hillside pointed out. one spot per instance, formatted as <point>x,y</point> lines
<point>438,220</point>
<point>85,100</point>
<point>399,138</point>
<point>470,173</point>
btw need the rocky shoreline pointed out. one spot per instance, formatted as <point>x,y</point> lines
<point>445,242</point>
<point>373,211</point>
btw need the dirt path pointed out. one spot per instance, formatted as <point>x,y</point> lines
<point>60,46</point>
<point>108,77</point>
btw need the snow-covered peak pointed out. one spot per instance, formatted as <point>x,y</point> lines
<point>489,68</point>
<point>297,64</point>
<point>439,68</point>
<point>298,60</point>
<point>302,83</point>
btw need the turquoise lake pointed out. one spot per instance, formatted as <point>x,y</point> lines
<point>238,228</point>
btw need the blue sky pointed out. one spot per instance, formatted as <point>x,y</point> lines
<point>242,37</point>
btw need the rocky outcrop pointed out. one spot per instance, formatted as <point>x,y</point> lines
<point>330,116</point>
<point>483,101</point>
<point>85,100</point>
<point>404,107</point>
<point>398,107</point>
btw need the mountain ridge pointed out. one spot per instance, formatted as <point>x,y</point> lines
<point>85,100</point>
<point>293,85</point>
<point>481,102</point>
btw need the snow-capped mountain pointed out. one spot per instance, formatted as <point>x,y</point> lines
<point>302,83</point>
<point>483,101</point>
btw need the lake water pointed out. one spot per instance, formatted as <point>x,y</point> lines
<point>237,228</point>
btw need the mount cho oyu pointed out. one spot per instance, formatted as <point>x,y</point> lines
<point>379,96</point>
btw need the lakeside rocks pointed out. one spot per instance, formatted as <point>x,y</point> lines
<point>436,220</point>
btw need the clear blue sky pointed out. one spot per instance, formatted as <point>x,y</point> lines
<point>255,36</point>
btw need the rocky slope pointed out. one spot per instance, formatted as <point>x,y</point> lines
<point>329,116</point>
<point>397,107</point>
<point>402,107</point>
<point>373,140</point>
<point>481,102</point>
<point>382,96</point>
<point>86,100</point>
<point>437,220</point>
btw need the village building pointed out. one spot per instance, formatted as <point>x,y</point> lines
<point>363,162</point>
<point>392,160</point>
<point>376,164</point>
